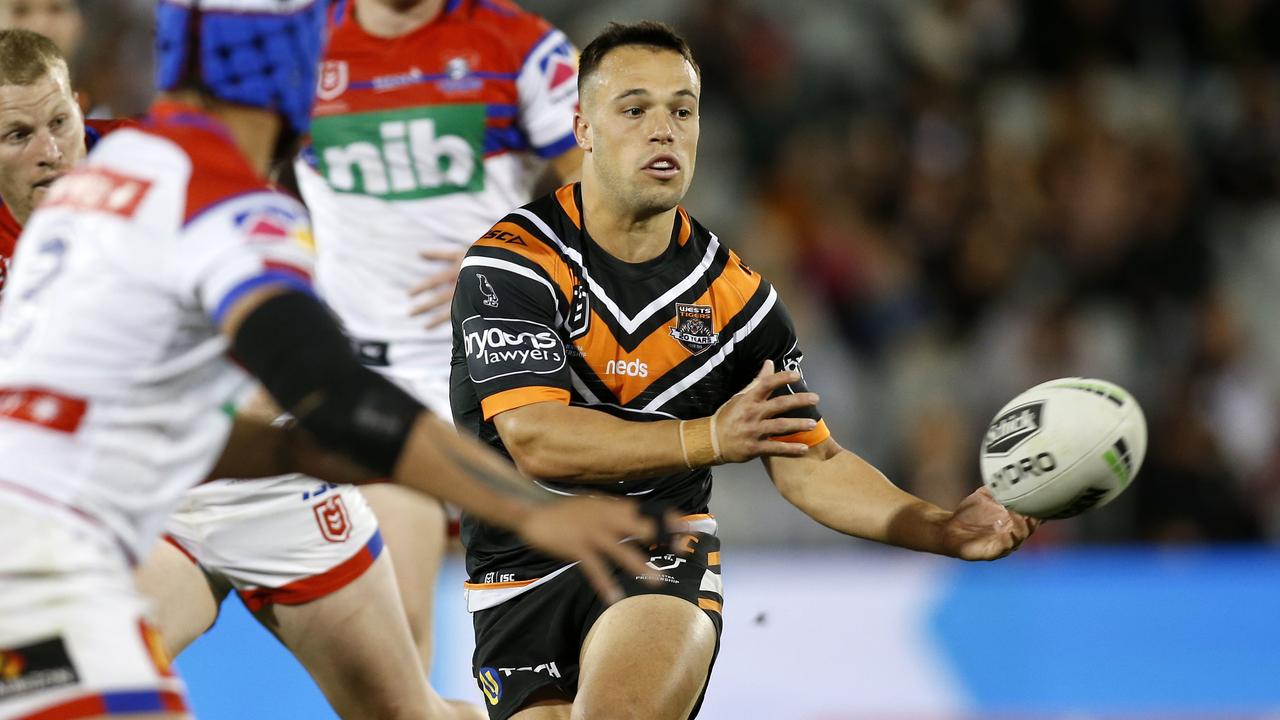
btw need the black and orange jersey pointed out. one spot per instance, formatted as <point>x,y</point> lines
<point>542,313</point>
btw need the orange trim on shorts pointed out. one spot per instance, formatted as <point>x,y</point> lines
<point>808,437</point>
<point>499,585</point>
<point>709,604</point>
<point>565,196</point>
<point>115,703</point>
<point>155,647</point>
<point>519,397</point>
<point>713,557</point>
<point>699,516</point>
<point>316,586</point>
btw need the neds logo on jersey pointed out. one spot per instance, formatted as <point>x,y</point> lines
<point>499,347</point>
<point>1010,429</point>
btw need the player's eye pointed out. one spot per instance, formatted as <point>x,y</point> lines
<point>684,113</point>
<point>633,112</point>
<point>15,137</point>
<point>58,122</point>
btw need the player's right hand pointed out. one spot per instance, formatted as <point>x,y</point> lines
<point>747,423</point>
<point>591,530</point>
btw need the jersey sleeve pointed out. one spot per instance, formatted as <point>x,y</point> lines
<point>505,315</point>
<point>548,86</point>
<point>244,244</point>
<point>775,339</point>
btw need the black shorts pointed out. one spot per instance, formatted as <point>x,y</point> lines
<point>533,641</point>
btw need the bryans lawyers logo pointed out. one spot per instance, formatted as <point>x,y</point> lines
<point>500,347</point>
<point>331,516</point>
<point>694,327</point>
<point>1012,428</point>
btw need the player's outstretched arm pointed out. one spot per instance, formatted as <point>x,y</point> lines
<point>846,493</point>
<point>553,441</point>
<point>291,344</point>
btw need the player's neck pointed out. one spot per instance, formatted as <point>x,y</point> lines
<point>393,18</point>
<point>621,232</point>
<point>253,130</point>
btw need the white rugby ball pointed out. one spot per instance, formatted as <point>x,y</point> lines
<point>1063,447</point>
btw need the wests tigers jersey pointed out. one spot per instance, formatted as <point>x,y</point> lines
<point>542,313</point>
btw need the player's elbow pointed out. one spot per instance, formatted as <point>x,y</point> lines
<point>528,441</point>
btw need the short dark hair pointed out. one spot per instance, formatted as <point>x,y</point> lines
<point>25,57</point>
<point>645,33</point>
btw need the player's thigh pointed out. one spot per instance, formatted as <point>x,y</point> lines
<point>545,709</point>
<point>355,643</point>
<point>415,528</point>
<point>184,602</point>
<point>645,657</point>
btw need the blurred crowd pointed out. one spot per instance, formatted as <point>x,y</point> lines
<point>961,198</point>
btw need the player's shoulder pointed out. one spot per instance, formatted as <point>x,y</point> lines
<point>192,149</point>
<point>541,235</point>
<point>522,31</point>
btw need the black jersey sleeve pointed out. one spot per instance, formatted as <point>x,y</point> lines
<point>775,339</point>
<point>506,320</point>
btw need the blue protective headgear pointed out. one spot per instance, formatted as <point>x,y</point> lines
<point>261,53</point>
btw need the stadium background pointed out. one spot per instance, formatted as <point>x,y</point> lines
<point>959,199</point>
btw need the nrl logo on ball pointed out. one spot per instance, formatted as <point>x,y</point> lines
<point>1013,427</point>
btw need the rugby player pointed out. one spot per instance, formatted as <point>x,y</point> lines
<point>482,95</point>
<point>42,131</point>
<point>146,270</point>
<point>608,342</point>
<point>501,81</point>
<point>298,550</point>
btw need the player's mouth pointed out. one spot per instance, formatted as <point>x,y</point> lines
<point>663,167</point>
<point>44,183</point>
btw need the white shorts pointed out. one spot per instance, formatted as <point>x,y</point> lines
<point>286,540</point>
<point>73,639</point>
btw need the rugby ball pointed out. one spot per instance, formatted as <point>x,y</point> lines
<point>1063,447</point>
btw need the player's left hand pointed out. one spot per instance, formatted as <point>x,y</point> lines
<point>440,285</point>
<point>983,529</point>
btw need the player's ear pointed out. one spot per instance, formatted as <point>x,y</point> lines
<point>582,130</point>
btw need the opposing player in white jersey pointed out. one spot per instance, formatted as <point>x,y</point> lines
<point>434,118</point>
<point>144,272</point>
<point>298,552</point>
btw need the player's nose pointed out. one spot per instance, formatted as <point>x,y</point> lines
<point>47,149</point>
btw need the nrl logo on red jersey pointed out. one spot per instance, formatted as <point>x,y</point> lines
<point>694,328</point>
<point>334,78</point>
<point>331,515</point>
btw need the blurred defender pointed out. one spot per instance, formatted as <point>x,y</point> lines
<point>145,266</point>
<point>610,343</point>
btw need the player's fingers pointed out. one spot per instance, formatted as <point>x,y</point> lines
<point>786,426</point>
<point>763,387</point>
<point>775,448</point>
<point>631,560</point>
<point>439,319</point>
<point>766,369</point>
<point>598,576</point>
<point>432,303</point>
<point>784,404</point>
<point>442,255</point>
<point>448,277</point>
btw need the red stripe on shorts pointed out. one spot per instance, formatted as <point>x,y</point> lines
<point>316,586</point>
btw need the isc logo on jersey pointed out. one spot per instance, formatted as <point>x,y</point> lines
<point>403,154</point>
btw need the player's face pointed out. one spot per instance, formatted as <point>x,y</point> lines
<point>41,137</point>
<point>639,125</point>
<point>58,20</point>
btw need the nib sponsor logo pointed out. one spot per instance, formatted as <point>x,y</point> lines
<point>500,347</point>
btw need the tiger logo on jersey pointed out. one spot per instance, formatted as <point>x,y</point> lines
<point>694,328</point>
